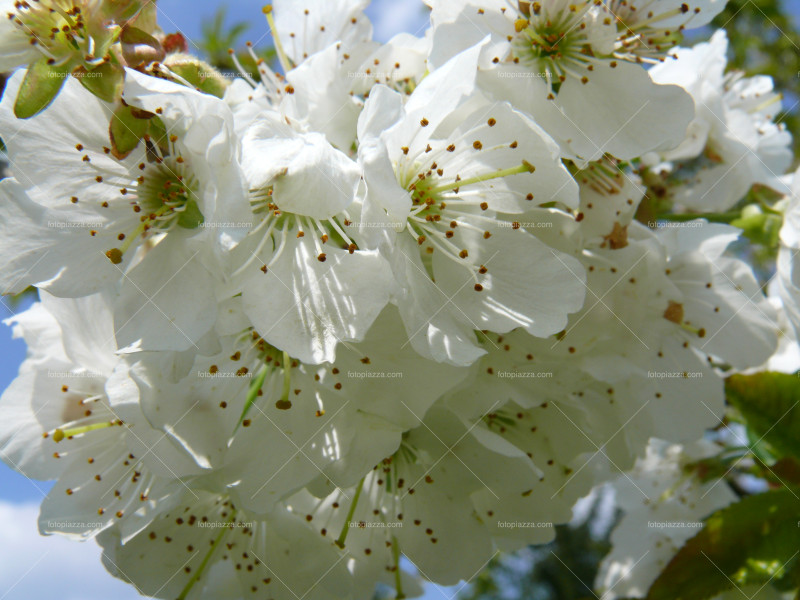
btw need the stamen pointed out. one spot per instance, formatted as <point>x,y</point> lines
<point>769,102</point>
<point>172,74</point>
<point>525,167</point>
<point>698,331</point>
<point>281,246</point>
<point>655,18</point>
<point>115,254</point>
<point>346,529</point>
<point>284,403</point>
<point>282,57</point>
<point>267,237</point>
<point>245,74</point>
<point>60,434</point>
<point>252,393</point>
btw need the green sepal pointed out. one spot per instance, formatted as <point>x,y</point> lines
<point>140,48</point>
<point>40,86</point>
<point>158,134</point>
<point>198,73</point>
<point>760,227</point>
<point>105,81</point>
<point>191,217</point>
<point>126,131</point>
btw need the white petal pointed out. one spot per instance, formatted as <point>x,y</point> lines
<point>383,108</point>
<point>88,329</point>
<point>587,123</point>
<point>388,378</point>
<point>166,301</point>
<point>527,285</point>
<point>48,248</point>
<point>310,177</point>
<point>322,100</point>
<point>309,26</point>
<point>30,407</point>
<point>305,306</point>
<point>435,327</point>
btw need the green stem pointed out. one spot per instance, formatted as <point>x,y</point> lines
<point>345,530</point>
<point>199,572</point>
<point>252,393</point>
<point>398,575</point>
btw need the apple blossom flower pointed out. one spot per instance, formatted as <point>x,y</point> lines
<point>155,221</point>
<point>446,193</point>
<point>207,546</point>
<point>557,62</point>
<point>663,506</point>
<point>733,141</point>
<point>72,414</point>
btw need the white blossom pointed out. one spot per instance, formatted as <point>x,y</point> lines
<point>734,141</point>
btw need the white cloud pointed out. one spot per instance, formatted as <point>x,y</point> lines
<point>37,567</point>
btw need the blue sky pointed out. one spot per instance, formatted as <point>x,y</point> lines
<point>388,16</point>
<point>32,567</point>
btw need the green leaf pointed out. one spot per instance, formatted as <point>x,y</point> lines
<point>41,85</point>
<point>770,405</point>
<point>105,81</point>
<point>219,37</point>
<point>126,131</point>
<point>751,542</point>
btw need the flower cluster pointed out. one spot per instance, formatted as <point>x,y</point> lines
<point>375,303</point>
